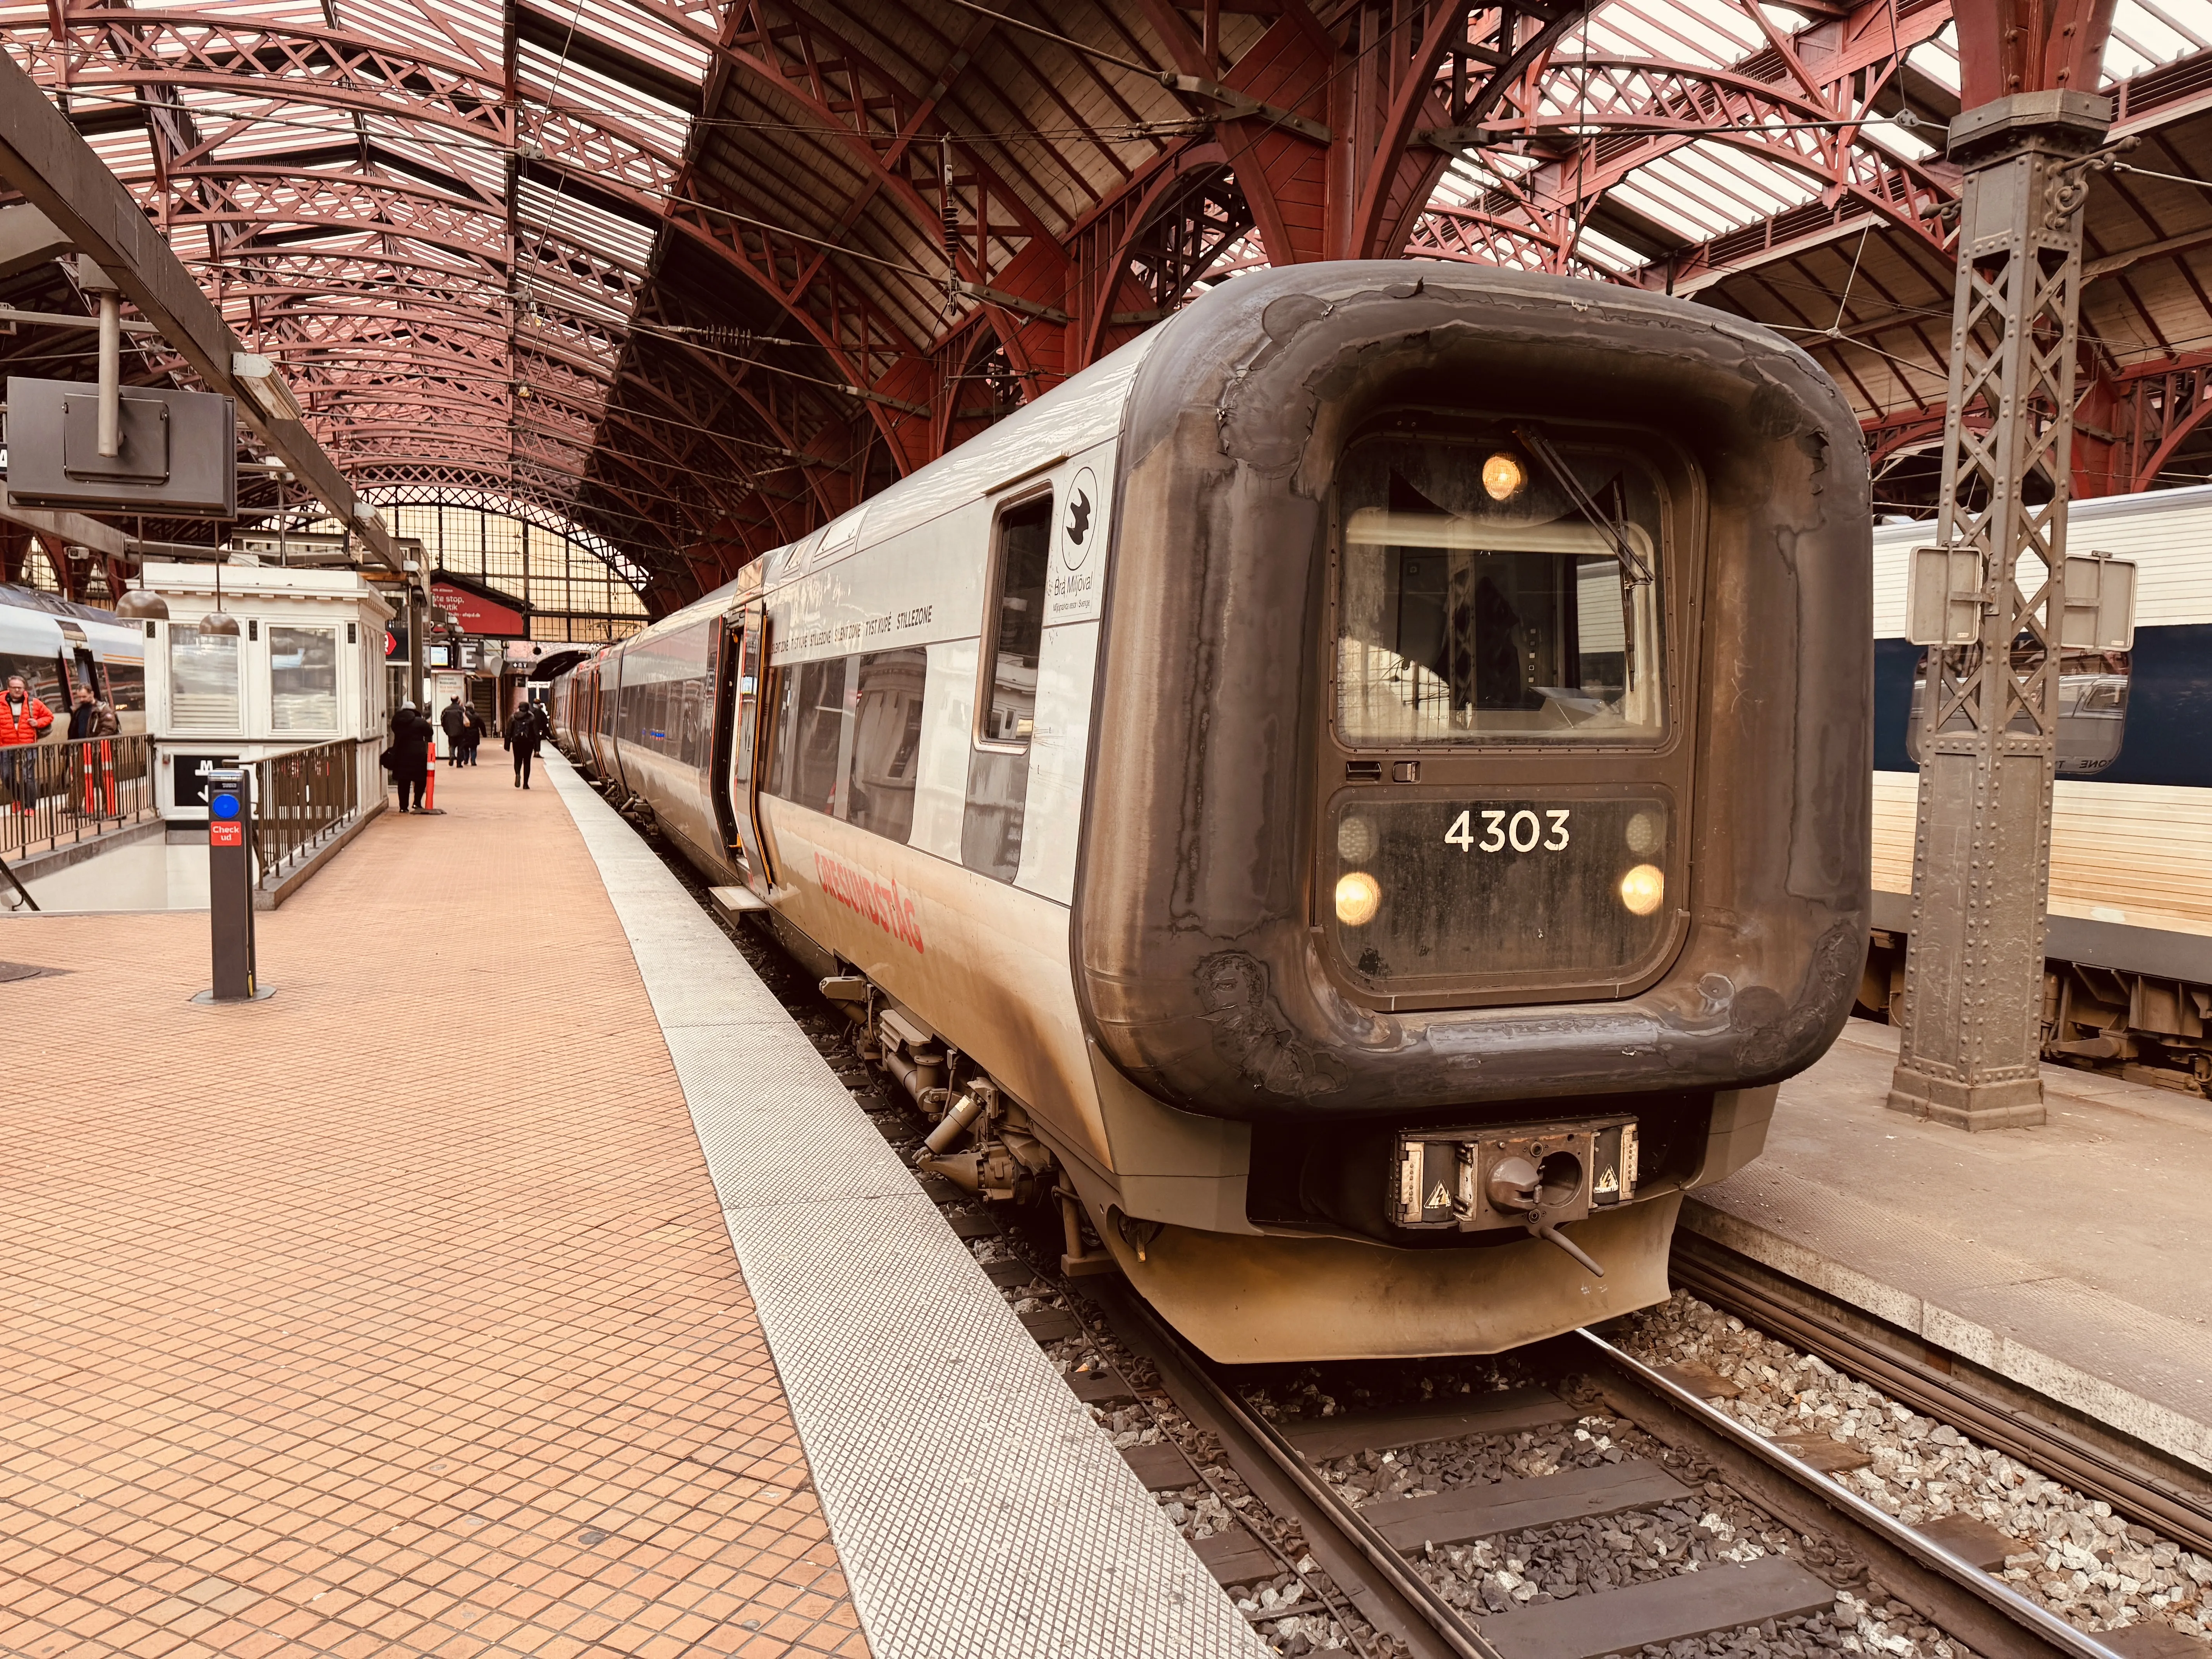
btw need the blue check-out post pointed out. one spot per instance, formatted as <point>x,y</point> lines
<point>230,882</point>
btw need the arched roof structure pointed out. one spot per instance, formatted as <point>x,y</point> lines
<point>695,274</point>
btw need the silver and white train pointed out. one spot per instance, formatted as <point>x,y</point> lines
<point>1359,795</point>
<point>56,645</point>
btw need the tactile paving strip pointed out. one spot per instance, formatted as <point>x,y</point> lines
<point>977,1510</point>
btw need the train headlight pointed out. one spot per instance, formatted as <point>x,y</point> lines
<point>1641,890</point>
<point>1502,477</point>
<point>1359,897</point>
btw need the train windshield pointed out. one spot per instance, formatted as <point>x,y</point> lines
<point>1492,594</point>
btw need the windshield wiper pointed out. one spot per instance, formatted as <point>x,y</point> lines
<point>1534,442</point>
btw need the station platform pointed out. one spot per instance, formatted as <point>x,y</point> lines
<point>518,1280</point>
<point>2066,1258</point>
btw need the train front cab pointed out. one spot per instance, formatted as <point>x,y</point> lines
<point>1505,937</point>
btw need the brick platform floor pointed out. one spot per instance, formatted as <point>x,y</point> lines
<point>391,1316</point>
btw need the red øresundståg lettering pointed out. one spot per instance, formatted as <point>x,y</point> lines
<point>879,902</point>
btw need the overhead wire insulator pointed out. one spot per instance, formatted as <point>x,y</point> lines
<point>948,217</point>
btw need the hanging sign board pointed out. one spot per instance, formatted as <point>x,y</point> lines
<point>177,454</point>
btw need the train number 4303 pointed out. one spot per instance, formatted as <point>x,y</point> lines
<point>1524,831</point>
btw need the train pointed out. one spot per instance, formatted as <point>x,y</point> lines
<point>2128,971</point>
<point>56,644</point>
<point>1357,797</point>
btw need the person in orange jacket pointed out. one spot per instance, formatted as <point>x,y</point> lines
<point>23,720</point>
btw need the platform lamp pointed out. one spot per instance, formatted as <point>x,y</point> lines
<point>219,621</point>
<point>143,606</point>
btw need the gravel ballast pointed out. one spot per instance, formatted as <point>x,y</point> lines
<point>2088,1565</point>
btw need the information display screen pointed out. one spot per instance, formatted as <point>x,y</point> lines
<point>1437,894</point>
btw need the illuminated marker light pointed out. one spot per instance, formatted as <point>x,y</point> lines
<point>1502,477</point>
<point>1641,890</point>
<point>1359,897</point>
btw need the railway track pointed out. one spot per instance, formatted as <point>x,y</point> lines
<point>1375,1554</point>
<point>1571,1502</point>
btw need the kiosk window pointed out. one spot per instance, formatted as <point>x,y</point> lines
<point>203,681</point>
<point>303,679</point>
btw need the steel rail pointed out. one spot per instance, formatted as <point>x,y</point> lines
<point>1396,1598</point>
<point>2150,1496</point>
<point>1978,1607</point>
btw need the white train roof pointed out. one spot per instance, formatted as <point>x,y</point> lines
<point>1071,419</point>
<point>2167,533</point>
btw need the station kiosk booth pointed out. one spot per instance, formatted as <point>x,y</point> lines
<point>305,669</point>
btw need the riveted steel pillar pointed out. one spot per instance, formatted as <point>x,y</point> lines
<point>1988,720</point>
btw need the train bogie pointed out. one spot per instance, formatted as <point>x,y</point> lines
<point>1387,708</point>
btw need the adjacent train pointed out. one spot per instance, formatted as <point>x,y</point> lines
<point>2128,982</point>
<point>1359,796</point>
<point>57,645</point>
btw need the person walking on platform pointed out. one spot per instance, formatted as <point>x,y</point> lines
<point>410,754</point>
<point>450,717</point>
<point>525,730</point>
<point>471,736</point>
<point>92,722</point>
<point>23,720</point>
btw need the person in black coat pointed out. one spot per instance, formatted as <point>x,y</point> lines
<point>452,719</point>
<point>410,754</point>
<point>525,729</point>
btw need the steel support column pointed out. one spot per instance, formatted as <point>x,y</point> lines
<point>1981,858</point>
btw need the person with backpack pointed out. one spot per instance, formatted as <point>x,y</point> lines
<point>525,729</point>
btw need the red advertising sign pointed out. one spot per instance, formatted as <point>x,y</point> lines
<point>477,614</point>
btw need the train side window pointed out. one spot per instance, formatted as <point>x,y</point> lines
<point>819,735</point>
<point>886,742</point>
<point>38,673</point>
<point>773,766</point>
<point>1013,631</point>
<point>1005,700</point>
<point>126,686</point>
<point>2093,709</point>
<point>695,699</point>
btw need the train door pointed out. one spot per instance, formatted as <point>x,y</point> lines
<point>749,754</point>
<point>721,720</point>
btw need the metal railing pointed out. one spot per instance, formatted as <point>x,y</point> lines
<point>303,798</point>
<point>57,794</point>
